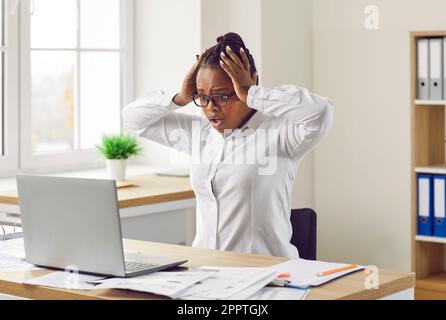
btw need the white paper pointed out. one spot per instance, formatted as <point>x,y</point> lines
<point>12,257</point>
<point>254,288</point>
<point>13,247</point>
<point>230,283</point>
<point>303,273</point>
<point>169,284</point>
<point>272,293</point>
<point>14,264</point>
<point>65,280</point>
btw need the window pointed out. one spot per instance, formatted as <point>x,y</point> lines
<point>2,53</point>
<point>9,84</point>
<point>75,76</point>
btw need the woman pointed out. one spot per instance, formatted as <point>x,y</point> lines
<point>245,151</point>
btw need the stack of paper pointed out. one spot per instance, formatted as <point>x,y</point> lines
<point>12,257</point>
<point>218,283</point>
<point>304,273</point>
<point>202,284</point>
<point>169,284</point>
<point>205,283</point>
<point>65,280</point>
<point>230,283</point>
<point>14,248</point>
<point>277,293</point>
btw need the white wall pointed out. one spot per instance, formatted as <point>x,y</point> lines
<point>286,36</point>
<point>362,171</point>
<point>167,38</point>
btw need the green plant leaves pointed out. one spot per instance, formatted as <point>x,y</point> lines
<point>119,146</point>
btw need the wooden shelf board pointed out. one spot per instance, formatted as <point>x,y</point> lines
<point>436,169</point>
<point>430,102</point>
<point>430,239</point>
<point>436,282</point>
<point>428,34</point>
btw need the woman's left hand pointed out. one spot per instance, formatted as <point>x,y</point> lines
<point>239,72</point>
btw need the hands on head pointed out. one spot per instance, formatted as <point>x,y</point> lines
<point>238,70</point>
<point>189,84</point>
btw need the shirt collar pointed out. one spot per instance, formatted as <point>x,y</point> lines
<point>249,127</point>
<point>254,122</point>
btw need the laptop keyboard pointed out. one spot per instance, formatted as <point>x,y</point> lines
<point>132,266</point>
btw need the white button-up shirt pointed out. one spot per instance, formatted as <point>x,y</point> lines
<point>242,179</point>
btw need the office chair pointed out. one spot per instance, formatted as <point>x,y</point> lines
<point>304,226</point>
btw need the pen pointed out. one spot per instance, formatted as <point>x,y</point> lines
<point>328,272</point>
<point>285,284</point>
<point>284,275</point>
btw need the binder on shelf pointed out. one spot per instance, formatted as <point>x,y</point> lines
<point>439,220</point>
<point>425,206</point>
<point>444,68</point>
<point>436,69</point>
<point>423,69</point>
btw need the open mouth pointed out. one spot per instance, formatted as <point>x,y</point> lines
<point>216,122</point>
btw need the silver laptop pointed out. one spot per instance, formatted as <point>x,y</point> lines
<point>75,223</point>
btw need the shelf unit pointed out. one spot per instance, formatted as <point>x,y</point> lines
<point>430,239</point>
<point>430,102</point>
<point>428,156</point>
<point>435,169</point>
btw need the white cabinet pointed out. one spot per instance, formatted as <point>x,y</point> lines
<point>173,226</point>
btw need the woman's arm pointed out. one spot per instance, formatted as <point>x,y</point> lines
<point>304,118</point>
<point>152,116</point>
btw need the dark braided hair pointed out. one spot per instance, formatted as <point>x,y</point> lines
<point>212,58</point>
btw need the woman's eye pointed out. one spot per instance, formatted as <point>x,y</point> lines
<point>221,98</point>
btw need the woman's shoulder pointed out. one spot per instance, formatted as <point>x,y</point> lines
<point>290,88</point>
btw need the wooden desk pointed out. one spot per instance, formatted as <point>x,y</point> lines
<point>153,200</point>
<point>348,287</point>
<point>147,189</point>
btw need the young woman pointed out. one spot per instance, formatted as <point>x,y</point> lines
<point>244,151</point>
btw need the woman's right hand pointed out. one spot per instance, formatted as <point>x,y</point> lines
<point>189,84</point>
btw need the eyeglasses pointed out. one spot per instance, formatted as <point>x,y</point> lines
<point>219,100</point>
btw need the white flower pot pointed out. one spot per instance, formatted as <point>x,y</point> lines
<point>116,169</point>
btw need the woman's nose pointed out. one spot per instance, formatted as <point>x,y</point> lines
<point>211,106</point>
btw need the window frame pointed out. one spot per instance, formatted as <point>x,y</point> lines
<point>76,159</point>
<point>9,161</point>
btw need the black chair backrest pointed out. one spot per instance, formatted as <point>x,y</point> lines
<point>304,223</point>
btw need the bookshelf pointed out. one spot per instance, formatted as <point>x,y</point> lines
<point>440,103</point>
<point>430,239</point>
<point>428,156</point>
<point>435,169</point>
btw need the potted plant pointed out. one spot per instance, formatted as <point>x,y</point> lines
<point>116,150</point>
